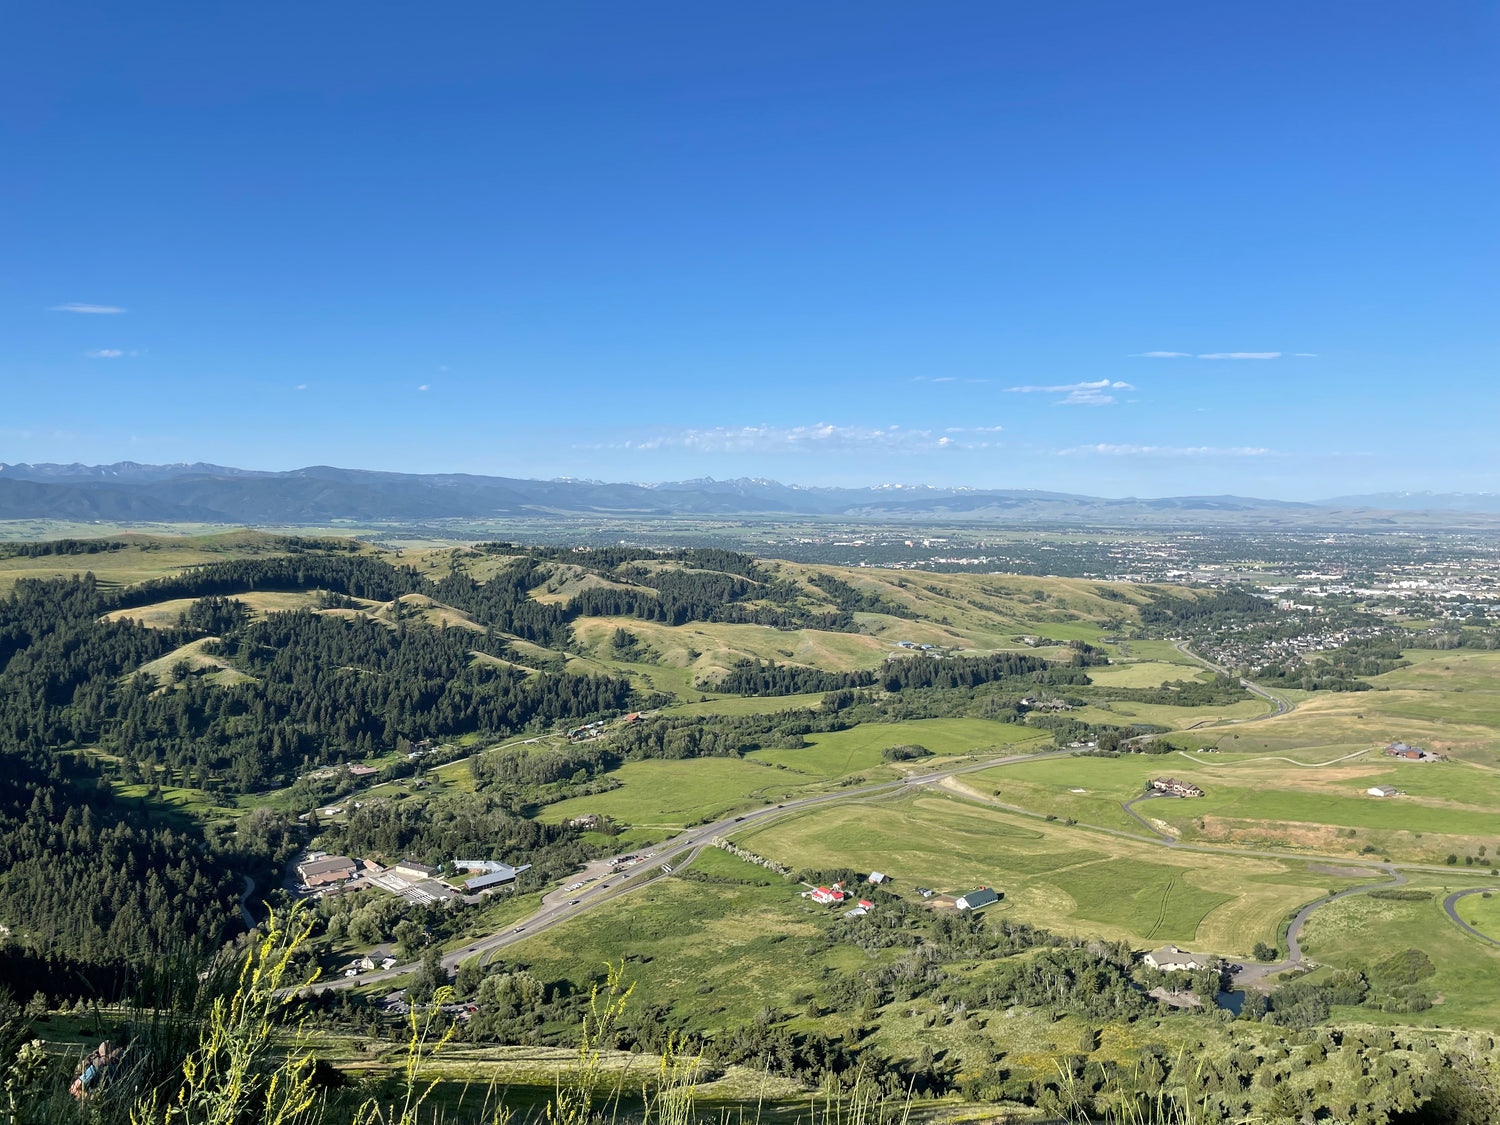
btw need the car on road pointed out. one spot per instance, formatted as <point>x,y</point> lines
<point>572,902</point>
<point>518,929</point>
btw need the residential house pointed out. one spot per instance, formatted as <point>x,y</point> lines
<point>825,896</point>
<point>1175,788</point>
<point>1170,959</point>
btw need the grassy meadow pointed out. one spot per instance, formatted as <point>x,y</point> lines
<point>1360,930</point>
<point>1066,879</point>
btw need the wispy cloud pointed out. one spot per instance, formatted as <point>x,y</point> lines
<point>1078,394</point>
<point>104,353</point>
<point>301,386</point>
<point>1305,355</point>
<point>75,307</point>
<point>822,437</point>
<point>423,387</point>
<point>1105,449</point>
<point>1211,355</point>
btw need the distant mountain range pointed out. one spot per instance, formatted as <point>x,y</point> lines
<point>127,492</point>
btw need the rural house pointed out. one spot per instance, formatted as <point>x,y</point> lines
<point>826,895</point>
<point>1170,959</point>
<point>1174,788</point>
<point>1382,791</point>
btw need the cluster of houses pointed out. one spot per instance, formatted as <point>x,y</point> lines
<point>1039,704</point>
<point>914,645</point>
<point>598,728</point>
<point>838,894</point>
<point>1171,787</point>
<point>1410,753</point>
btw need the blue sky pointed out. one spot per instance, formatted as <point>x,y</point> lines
<point>1121,249</point>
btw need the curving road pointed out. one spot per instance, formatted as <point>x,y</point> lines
<point>1450,907</point>
<point>1283,704</point>
<point>671,854</point>
<point>682,849</point>
<point>245,914</point>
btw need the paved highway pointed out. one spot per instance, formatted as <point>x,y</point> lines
<point>673,853</point>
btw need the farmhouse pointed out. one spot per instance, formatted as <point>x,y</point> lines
<point>324,872</point>
<point>1382,791</point>
<point>877,878</point>
<point>826,895</point>
<point>1170,959</point>
<point>362,771</point>
<point>1174,788</point>
<point>975,900</point>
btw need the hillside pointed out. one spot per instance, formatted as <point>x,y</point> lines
<point>197,493</point>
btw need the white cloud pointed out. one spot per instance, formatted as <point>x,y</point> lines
<point>75,307</point>
<point>1109,450</point>
<point>104,353</point>
<point>1095,393</point>
<point>1211,355</point>
<point>302,386</point>
<point>1305,355</point>
<point>423,387</point>
<point>811,439</point>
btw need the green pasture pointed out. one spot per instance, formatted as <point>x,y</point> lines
<point>748,705</point>
<point>1047,787</point>
<point>679,793</point>
<point>1142,674</point>
<point>1343,802</point>
<point>714,952</point>
<point>858,749</point>
<point>1482,912</point>
<point>1065,879</point>
<point>1360,931</point>
<point>1164,652</point>
<point>1169,715</point>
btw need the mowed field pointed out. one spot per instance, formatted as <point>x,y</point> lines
<point>859,749</point>
<point>680,793</point>
<point>1144,674</point>
<point>1066,879</point>
<point>1445,807</point>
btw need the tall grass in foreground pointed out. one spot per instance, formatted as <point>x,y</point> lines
<point>240,1070</point>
